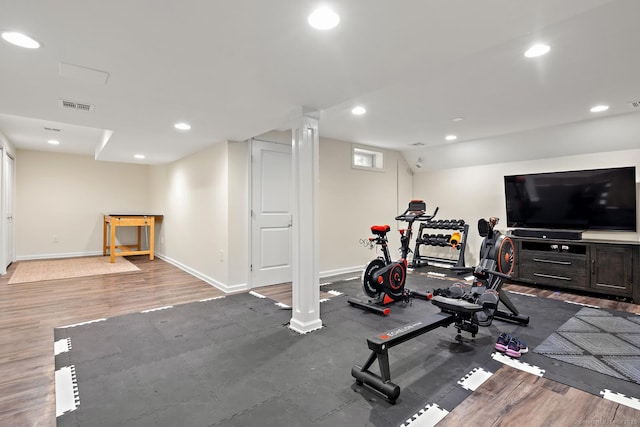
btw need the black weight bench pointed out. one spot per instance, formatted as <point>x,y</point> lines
<point>453,311</point>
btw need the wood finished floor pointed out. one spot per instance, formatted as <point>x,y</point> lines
<point>30,311</point>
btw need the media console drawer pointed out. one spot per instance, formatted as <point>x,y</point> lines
<point>564,277</point>
<point>547,264</point>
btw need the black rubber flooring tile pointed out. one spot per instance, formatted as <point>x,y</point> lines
<point>356,413</point>
<point>275,412</point>
<point>234,361</point>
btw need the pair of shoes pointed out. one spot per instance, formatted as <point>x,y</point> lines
<point>516,347</point>
<point>510,345</point>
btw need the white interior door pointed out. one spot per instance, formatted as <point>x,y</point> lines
<point>270,213</point>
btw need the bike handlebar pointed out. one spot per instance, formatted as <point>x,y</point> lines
<point>418,216</point>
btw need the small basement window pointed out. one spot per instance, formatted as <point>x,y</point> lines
<point>366,159</point>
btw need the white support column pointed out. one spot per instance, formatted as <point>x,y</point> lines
<point>305,199</point>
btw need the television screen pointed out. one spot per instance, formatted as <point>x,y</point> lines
<point>598,199</point>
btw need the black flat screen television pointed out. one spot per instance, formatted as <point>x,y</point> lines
<point>597,199</point>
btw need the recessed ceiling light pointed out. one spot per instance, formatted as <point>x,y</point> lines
<point>359,110</point>
<point>53,142</point>
<point>182,126</point>
<point>537,50</point>
<point>599,108</point>
<point>139,156</point>
<point>20,39</point>
<point>450,137</point>
<point>323,19</point>
<point>457,119</point>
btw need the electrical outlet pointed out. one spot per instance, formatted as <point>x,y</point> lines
<point>221,256</point>
<point>54,239</point>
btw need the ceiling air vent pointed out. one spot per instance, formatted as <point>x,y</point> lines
<point>634,104</point>
<point>52,129</point>
<point>417,144</point>
<point>72,105</point>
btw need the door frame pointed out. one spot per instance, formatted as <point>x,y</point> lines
<point>250,281</point>
<point>7,190</point>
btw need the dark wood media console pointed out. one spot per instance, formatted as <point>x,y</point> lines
<point>599,266</point>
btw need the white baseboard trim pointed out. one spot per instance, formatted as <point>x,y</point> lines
<point>59,255</point>
<point>210,280</point>
<point>329,273</point>
<point>241,287</point>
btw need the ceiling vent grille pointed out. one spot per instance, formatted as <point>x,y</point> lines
<point>52,129</point>
<point>72,105</point>
<point>417,144</point>
<point>634,104</point>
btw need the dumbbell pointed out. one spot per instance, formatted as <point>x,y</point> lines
<point>454,240</point>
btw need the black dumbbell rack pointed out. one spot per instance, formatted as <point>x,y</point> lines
<point>441,240</point>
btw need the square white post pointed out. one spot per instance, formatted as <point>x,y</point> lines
<point>305,246</point>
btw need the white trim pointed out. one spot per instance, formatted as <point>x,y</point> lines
<point>581,304</point>
<point>166,307</point>
<point>523,294</point>
<point>58,255</point>
<point>506,360</point>
<point>474,379</point>
<point>431,415</point>
<point>210,280</point>
<point>631,402</point>
<point>329,273</point>
<point>304,327</point>
<point>81,323</point>
<point>61,346</point>
<point>211,299</point>
<point>66,386</point>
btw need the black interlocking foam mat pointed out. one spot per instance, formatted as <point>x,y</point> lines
<point>234,361</point>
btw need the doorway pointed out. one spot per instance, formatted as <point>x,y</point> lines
<point>270,213</point>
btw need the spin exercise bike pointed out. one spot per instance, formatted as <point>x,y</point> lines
<point>383,279</point>
<point>466,307</point>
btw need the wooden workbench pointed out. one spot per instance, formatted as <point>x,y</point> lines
<point>113,221</point>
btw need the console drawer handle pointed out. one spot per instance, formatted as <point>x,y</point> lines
<point>549,261</point>
<point>551,276</point>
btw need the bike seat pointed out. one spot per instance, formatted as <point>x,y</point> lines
<point>380,230</point>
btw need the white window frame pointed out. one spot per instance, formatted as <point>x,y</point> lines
<point>376,158</point>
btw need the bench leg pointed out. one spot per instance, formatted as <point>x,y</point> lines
<point>380,383</point>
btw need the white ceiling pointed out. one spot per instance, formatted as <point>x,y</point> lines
<point>235,69</point>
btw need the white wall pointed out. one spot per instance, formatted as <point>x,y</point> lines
<point>63,197</point>
<point>352,200</point>
<point>193,195</point>
<point>475,192</point>
<point>606,134</point>
<point>238,214</point>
